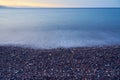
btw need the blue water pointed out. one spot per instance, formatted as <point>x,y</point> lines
<point>52,28</point>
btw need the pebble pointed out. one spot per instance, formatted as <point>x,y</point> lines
<point>92,63</point>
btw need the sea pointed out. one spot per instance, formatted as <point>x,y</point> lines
<point>59,27</point>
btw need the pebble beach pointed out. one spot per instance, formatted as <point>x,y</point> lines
<point>81,63</point>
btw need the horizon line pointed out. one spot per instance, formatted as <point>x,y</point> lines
<point>23,7</point>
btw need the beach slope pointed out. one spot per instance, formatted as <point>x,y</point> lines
<point>84,63</point>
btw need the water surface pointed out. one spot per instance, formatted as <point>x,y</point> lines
<point>51,28</point>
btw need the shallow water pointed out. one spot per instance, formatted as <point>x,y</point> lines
<point>51,28</point>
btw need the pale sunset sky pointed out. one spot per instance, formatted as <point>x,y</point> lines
<point>60,3</point>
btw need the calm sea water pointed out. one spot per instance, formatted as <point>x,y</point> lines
<point>51,28</point>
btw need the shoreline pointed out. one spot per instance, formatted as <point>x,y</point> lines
<point>53,48</point>
<point>75,63</point>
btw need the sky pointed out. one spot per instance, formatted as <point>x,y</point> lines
<point>61,3</point>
